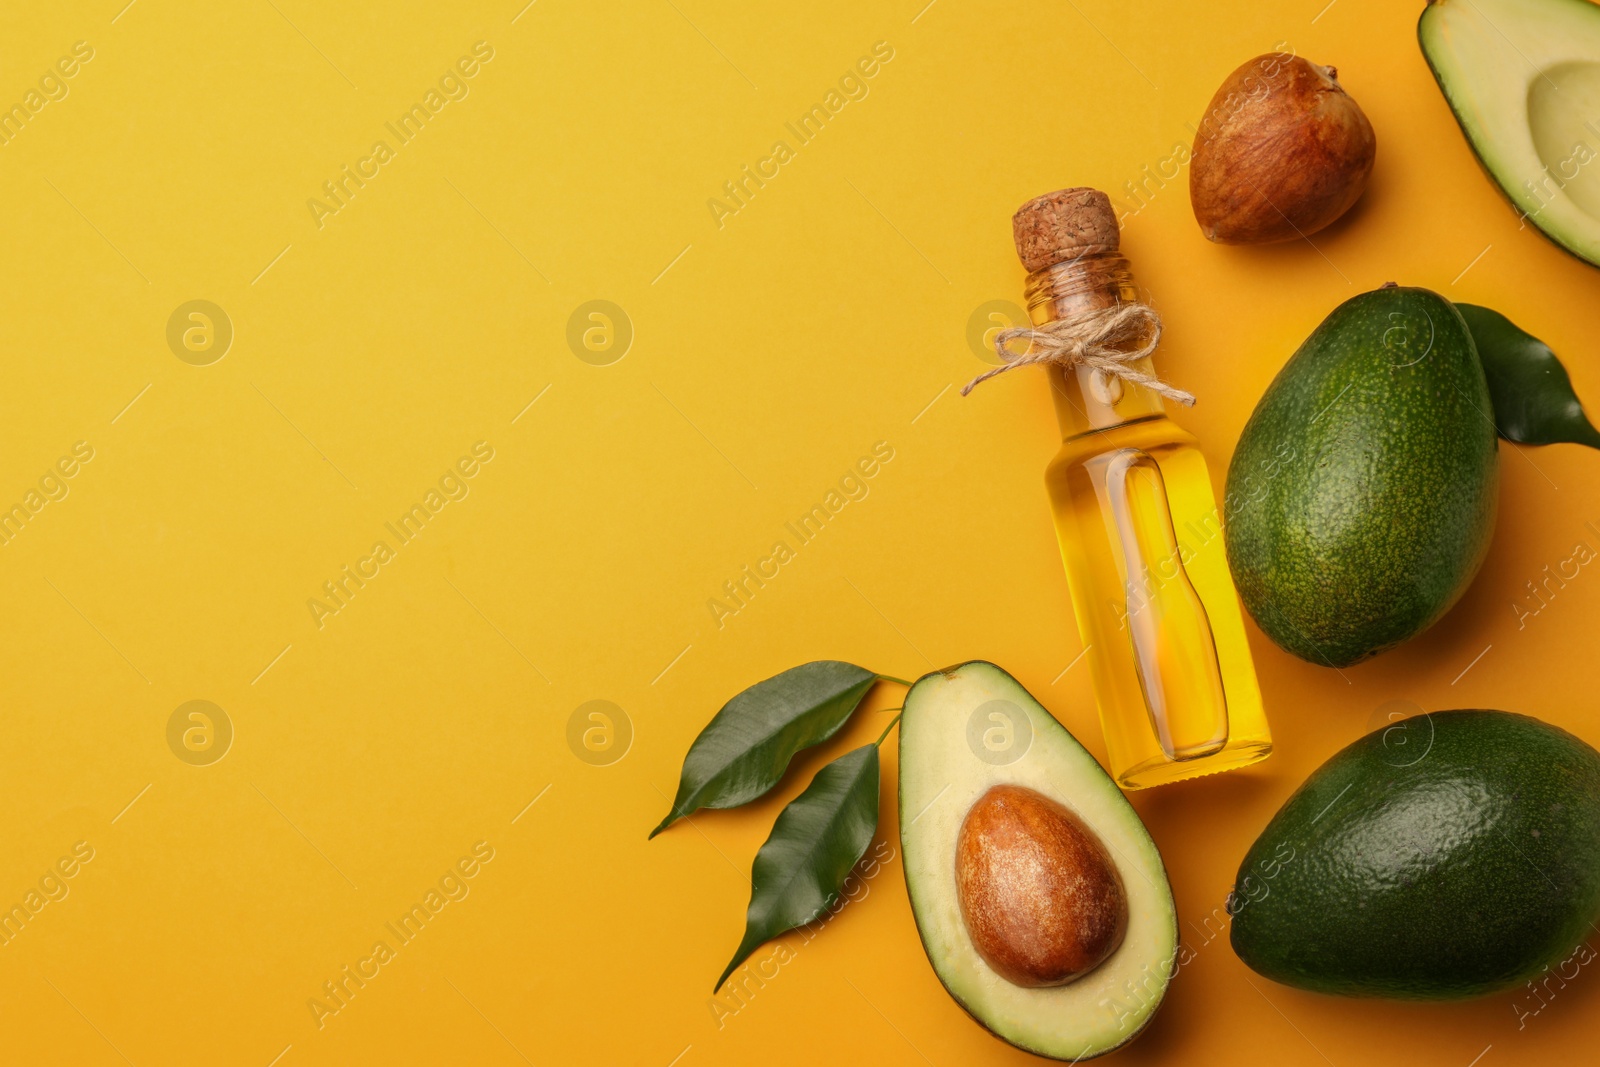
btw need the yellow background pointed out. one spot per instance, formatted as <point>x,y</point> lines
<point>768,355</point>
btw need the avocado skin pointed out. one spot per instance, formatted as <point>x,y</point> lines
<point>1361,499</point>
<point>1449,855</point>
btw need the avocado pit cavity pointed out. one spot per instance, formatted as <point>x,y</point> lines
<point>1041,898</point>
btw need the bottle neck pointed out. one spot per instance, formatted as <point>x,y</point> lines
<point>1087,400</point>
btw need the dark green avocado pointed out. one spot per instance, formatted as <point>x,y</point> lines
<point>1449,855</point>
<point>1361,499</point>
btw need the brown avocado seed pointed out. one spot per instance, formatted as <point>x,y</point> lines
<point>1282,151</point>
<point>1041,899</point>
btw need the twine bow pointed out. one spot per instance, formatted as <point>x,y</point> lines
<point>1110,340</point>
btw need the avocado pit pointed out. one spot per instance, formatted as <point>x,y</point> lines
<point>1040,897</point>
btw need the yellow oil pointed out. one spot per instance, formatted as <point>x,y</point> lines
<point>1141,537</point>
<point>1155,604</point>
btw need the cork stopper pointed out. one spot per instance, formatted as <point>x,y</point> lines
<point>1062,225</point>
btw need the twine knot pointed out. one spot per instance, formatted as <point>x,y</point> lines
<point>1109,340</point>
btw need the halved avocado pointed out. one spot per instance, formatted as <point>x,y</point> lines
<point>967,729</point>
<point>1523,78</point>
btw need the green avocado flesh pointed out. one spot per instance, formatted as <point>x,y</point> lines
<point>1523,78</point>
<point>1448,855</point>
<point>965,730</point>
<point>1361,499</point>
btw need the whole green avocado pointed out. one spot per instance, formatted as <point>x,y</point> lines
<point>1449,855</point>
<point>1361,499</point>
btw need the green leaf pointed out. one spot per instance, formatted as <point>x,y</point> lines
<point>1533,399</point>
<point>818,838</point>
<point>745,749</point>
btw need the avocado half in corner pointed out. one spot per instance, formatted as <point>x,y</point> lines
<point>1040,898</point>
<point>1523,78</point>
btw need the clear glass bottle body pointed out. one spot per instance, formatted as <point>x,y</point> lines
<point>1141,537</point>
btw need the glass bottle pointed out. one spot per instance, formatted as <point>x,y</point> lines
<point>1140,530</point>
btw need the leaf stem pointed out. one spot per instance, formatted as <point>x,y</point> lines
<point>891,726</point>
<point>892,678</point>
